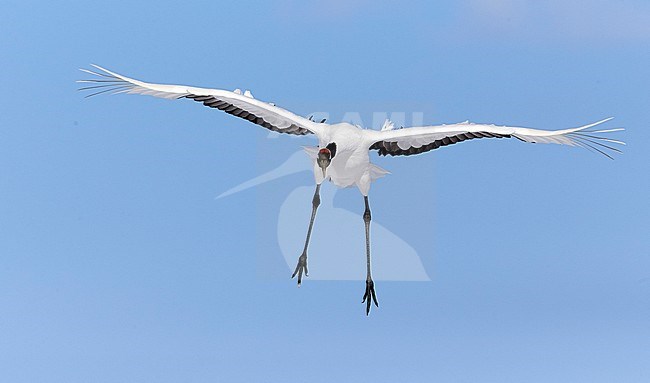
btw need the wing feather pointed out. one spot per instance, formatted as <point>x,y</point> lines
<point>244,106</point>
<point>415,140</point>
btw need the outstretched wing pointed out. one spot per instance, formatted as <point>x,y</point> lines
<point>244,105</point>
<point>415,140</point>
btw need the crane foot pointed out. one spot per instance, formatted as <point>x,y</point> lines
<point>300,268</point>
<point>369,295</point>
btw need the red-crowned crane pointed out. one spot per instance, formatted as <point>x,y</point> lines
<point>342,156</point>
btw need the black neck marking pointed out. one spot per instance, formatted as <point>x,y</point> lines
<point>332,148</point>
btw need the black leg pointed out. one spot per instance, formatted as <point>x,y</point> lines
<point>370,285</point>
<point>302,260</point>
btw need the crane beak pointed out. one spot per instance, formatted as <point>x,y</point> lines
<point>324,159</point>
<point>324,171</point>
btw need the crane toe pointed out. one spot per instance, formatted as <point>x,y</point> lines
<point>301,268</point>
<point>369,295</point>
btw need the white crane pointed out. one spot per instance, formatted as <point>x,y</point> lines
<point>342,155</point>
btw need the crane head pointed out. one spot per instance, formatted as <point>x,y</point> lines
<point>324,159</point>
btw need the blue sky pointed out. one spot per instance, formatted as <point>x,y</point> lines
<point>117,263</point>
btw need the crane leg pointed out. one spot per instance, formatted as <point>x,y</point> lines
<point>370,285</point>
<point>302,260</point>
